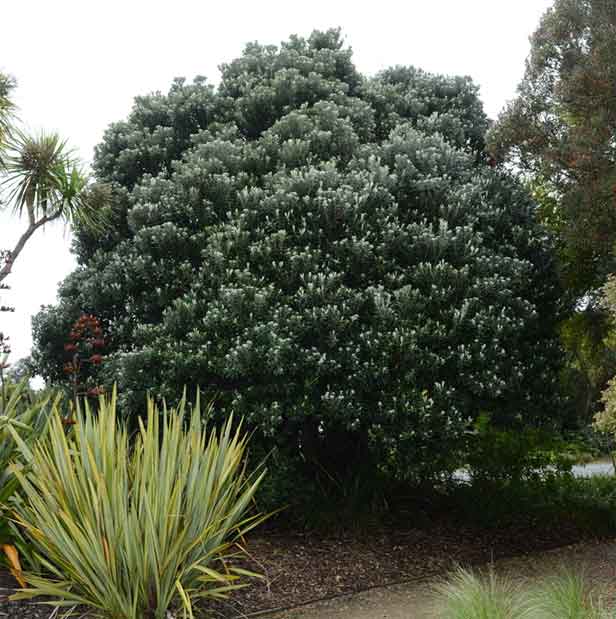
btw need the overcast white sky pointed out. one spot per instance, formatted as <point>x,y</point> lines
<point>79,63</point>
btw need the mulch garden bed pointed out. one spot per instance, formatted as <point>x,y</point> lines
<point>301,567</point>
<point>17,610</point>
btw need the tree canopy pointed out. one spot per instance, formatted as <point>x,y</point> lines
<point>560,130</point>
<point>329,254</point>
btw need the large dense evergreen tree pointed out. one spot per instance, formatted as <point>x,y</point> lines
<point>327,253</point>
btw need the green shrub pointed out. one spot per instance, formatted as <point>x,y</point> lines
<point>586,505</point>
<point>605,419</point>
<point>352,501</point>
<point>510,455</point>
<point>329,252</point>
<point>132,529</point>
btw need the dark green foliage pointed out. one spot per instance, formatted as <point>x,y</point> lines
<point>576,506</point>
<point>305,495</point>
<point>326,253</point>
<point>516,454</point>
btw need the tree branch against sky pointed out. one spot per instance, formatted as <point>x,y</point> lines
<point>6,117</point>
<point>43,183</point>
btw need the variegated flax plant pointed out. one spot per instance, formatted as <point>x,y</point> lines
<point>137,529</point>
<point>23,419</point>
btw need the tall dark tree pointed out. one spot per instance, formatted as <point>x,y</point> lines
<point>327,253</point>
<point>561,130</point>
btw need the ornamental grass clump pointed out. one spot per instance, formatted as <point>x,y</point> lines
<point>135,528</point>
<point>562,595</point>
<point>567,595</point>
<point>467,595</point>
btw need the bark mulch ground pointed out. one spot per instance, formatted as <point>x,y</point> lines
<point>418,599</point>
<point>301,567</point>
<point>17,610</point>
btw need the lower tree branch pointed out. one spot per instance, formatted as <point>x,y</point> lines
<point>23,239</point>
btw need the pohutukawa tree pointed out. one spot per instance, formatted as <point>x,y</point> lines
<point>329,253</point>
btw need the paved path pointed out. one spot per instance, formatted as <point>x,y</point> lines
<point>416,600</point>
<point>595,468</point>
<point>592,469</point>
<point>395,602</point>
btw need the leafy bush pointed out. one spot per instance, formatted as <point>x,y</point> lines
<point>329,253</point>
<point>605,419</point>
<point>134,529</point>
<point>584,505</point>
<point>505,455</point>
<point>352,501</point>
